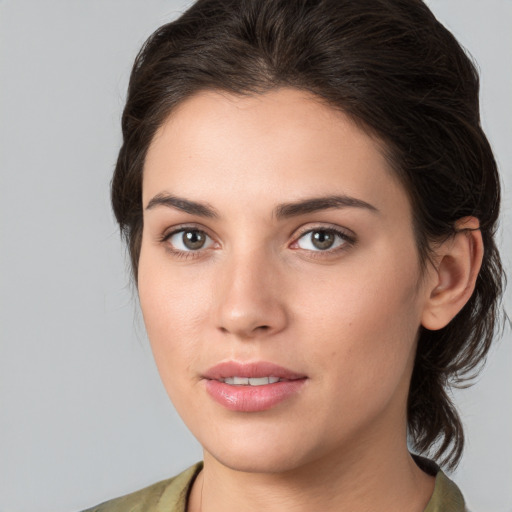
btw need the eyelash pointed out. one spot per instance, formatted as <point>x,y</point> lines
<point>177,252</point>
<point>348,241</point>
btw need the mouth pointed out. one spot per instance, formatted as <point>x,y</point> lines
<point>251,387</point>
<point>251,381</point>
<point>255,373</point>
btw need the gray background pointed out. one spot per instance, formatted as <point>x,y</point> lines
<point>83,416</point>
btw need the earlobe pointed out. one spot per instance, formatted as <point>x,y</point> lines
<point>458,261</point>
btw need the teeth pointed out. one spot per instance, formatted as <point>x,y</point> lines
<point>250,381</point>
<point>260,381</point>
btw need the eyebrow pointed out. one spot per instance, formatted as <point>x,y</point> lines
<point>285,210</point>
<point>185,205</point>
<point>316,204</point>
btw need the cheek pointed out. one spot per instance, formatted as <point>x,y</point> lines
<point>366,323</point>
<point>171,306</point>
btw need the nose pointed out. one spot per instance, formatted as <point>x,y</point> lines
<point>249,297</point>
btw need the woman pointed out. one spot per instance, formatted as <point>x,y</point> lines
<point>310,203</point>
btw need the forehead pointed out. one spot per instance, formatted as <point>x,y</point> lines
<point>219,146</point>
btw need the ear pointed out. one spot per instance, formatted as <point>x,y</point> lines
<point>452,279</point>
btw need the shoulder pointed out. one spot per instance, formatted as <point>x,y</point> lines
<point>168,495</point>
<point>446,496</point>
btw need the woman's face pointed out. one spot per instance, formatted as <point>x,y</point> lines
<point>278,246</point>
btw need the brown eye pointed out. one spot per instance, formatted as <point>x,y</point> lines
<point>193,240</point>
<point>187,240</point>
<point>322,240</point>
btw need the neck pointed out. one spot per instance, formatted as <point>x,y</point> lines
<point>353,481</point>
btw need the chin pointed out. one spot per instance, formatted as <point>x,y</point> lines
<point>259,460</point>
<point>262,450</point>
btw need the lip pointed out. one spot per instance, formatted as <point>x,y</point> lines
<point>251,398</point>
<point>253,369</point>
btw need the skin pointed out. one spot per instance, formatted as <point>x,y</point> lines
<point>259,290</point>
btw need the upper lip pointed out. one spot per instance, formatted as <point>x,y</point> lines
<point>254,369</point>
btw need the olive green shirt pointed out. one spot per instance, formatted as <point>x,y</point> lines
<point>171,496</point>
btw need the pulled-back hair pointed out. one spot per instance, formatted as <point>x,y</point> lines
<point>401,76</point>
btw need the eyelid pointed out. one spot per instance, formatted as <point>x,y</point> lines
<point>181,227</point>
<point>312,226</point>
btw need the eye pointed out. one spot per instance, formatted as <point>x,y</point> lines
<point>188,239</point>
<point>322,240</point>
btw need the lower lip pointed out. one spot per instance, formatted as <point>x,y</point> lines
<point>252,398</point>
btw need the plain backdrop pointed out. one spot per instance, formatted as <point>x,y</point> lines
<point>83,416</point>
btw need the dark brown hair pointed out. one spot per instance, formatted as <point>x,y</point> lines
<point>396,71</point>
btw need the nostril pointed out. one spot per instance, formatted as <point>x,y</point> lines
<point>258,328</point>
